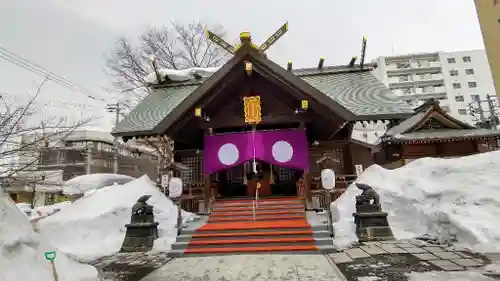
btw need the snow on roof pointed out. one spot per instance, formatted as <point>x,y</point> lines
<point>179,75</point>
<point>81,184</point>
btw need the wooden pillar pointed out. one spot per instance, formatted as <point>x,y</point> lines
<point>307,190</point>
<point>207,184</point>
<point>348,161</point>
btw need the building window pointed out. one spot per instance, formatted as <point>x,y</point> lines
<point>462,112</point>
<point>472,84</point>
<point>62,157</point>
<point>453,72</point>
<point>474,97</point>
<point>451,60</point>
<point>469,71</point>
<point>403,78</point>
<point>407,90</point>
<point>466,59</point>
<point>401,65</point>
<point>459,98</point>
<point>457,86</point>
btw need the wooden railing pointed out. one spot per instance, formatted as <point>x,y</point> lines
<point>193,193</point>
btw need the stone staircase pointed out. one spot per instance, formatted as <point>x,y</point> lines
<point>280,225</point>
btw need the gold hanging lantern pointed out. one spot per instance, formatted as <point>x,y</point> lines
<point>252,109</point>
<point>304,104</point>
<point>197,112</point>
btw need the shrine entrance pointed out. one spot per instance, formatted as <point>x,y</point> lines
<point>237,182</point>
<point>270,161</point>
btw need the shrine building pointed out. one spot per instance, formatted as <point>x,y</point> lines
<point>255,124</point>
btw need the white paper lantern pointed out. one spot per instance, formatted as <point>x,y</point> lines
<point>328,179</point>
<point>175,188</point>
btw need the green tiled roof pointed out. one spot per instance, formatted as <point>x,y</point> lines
<point>153,109</point>
<point>358,91</point>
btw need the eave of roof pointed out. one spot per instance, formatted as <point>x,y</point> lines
<point>353,88</point>
<point>443,135</point>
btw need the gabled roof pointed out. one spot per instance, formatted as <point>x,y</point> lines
<point>352,93</point>
<point>431,122</point>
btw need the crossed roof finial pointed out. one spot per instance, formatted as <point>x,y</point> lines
<point>246,39</point>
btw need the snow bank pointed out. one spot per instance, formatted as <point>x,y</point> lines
<point>445,198</point>
<point>180,75</point>
<point>94,226</point>
<point>84,183</point>
<point>41,211</point>
<point>22,251</point>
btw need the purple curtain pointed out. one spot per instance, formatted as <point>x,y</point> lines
<point>282,148</point>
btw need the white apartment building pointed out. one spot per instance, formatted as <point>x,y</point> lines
<point>456,79</point>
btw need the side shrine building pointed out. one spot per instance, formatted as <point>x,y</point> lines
<point>254,124</point>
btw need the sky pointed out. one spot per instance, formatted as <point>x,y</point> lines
<point>71,38</point>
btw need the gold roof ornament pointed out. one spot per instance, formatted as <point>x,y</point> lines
<point>246,39</point>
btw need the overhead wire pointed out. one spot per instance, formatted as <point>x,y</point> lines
<point>50,75</point>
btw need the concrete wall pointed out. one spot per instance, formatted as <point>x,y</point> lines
<point>488,12</point>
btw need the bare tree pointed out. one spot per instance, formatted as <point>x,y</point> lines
<point>20,143</point>
<point>179,46</point>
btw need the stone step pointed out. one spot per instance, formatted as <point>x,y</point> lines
<point>263,199</point>
<point>253,242</point>
<point>253,234</point>
<point>258,202</point>
<point>250,208</point>
<point>258,212</point>
<point>237,218</point>
<point>243,230</point>
<point>248,250</point>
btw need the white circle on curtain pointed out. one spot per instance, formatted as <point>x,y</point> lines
<point>228,154</point>
<point>282,151</point>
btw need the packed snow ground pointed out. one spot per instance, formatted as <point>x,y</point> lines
<point>94,225</point>
<point>22,251</point>
<point>446,198</point>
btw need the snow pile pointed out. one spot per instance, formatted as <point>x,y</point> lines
<point>94,226</point>
<point>445,198</point>
<point>22,251</point>
<point>84,183</point>
<point>180,75</point>
<point>42,211</point>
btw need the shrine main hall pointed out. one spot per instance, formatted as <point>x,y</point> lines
<point>253,124</point>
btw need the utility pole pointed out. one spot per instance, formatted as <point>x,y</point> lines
<point>116,108</point>
<point>479,110</point>
<point>493,115</point>
<point>88,160</point>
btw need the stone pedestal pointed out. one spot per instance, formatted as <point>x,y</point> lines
<point>371,223</point>
<point>142,229</point>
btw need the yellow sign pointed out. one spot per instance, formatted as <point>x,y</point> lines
<point>252,110</point>
<point>259,185</point>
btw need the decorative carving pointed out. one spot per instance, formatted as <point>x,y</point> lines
<point>252,110</point>
<point>367,195</point>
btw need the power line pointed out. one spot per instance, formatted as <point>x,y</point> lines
<point>37,69</point>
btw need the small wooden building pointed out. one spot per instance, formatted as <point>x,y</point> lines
<point>431,132</point>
